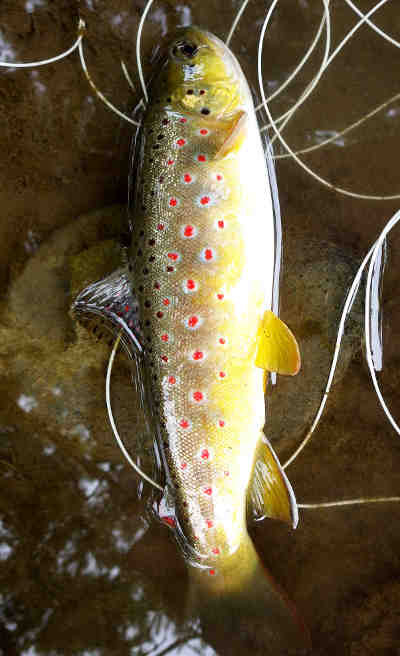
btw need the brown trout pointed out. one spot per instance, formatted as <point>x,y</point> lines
<point>196,300</point>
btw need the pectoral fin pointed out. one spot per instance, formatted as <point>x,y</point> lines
<point>277,348</point>
<point>107,306</point>
<point>270,493</point>
<point>236,132</point>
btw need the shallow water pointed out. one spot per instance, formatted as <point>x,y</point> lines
<point>83,570</point>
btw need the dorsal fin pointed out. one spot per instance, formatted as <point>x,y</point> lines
<point>270,493</point>
<point>107,306</point>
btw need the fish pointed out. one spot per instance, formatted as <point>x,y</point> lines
<point>193,304</point>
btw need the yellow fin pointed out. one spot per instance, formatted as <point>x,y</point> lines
<point>277,348</point>
<point>270,493</point>
<point>237,131</point>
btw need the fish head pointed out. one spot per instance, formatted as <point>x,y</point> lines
<point>201,76</point>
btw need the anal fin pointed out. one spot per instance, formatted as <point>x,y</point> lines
<point>270,493</point>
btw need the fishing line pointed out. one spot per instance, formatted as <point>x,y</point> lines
<point>371,256</point>
<point>299,66</point>
<point>138,48</point>
<point>383,34</point>
<point>347,502</point>
<point>127,76</point>
<point>43,62</point>
<point>324,182</point>
<point>98,93</point>
<point>112,422</point>
<point>316,79</point>
<point>236,21</point>
<point>343,132</point>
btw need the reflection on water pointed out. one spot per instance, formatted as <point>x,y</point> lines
<point>83,570</point>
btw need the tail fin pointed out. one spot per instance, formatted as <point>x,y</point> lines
<point>242,610</point>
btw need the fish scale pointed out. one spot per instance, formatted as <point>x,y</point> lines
<point>192,193</point>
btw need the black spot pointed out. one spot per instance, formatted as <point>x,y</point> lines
<point>149,340</point>
<point>141,233</point>
<point>140,288</point>
<point>205,111</point>
<point>130,267</point>
<point>147,304</point>
<point>147,322</point>
<point>151,258</point>
<point>152,242</point>
<point>169,100</point>
<point>160,136</point>
<point>190,92</point>
<point>146,271</point>
<point>140,252</point>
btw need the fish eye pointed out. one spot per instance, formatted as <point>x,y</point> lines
<point>184,50</point>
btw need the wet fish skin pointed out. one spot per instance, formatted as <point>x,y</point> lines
<point>196,294</point>
<point>202,260</point>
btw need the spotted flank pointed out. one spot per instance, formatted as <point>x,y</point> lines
<point>201,272</point>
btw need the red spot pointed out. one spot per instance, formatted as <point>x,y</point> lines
<point>165,121</point>
<point>198,355</point>
<point>161,178</point>
<point>221,423</point>
<point>209,523</point>
<point>208,254</point>
<point>190,284</point>
<point>204,200</point>
<point>212,572</point>
<point>205,454</point>
<point>202,92</point>
<point>222,374</point>
<point>170,162</point>
<point>201,158</point>
<point>188,231</point>
<point>160,226</point>
<point>169,520</point>
<point>181,142</point>
<point>222,340</point>
<point>203,131</point>
<point>156,285</point>
<point>220,297</point>
<point>193,321</point>
<point>187,177</point>
<point>160,314</point>
<point>170,268</point>
<point>226,473</point>
<point>173,256</point>
<point>164,358</point>
<point>221,225</point>
<point>182,120</point>
<point>183,465</point>
<point>165,337</point>
<point>216,551</point>
<point>219,177</point>
<point>127,308</point>
<point>172,380</point>
<point>173,202</point>
<point>208,490</point>
<point>198,396</point>
<point>165,301</point>
<point>184,423</point>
